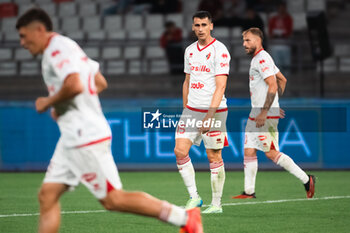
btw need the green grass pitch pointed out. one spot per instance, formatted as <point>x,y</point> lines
<point>293,214</point>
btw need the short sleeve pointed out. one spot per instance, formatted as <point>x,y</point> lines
<point>222,62</point>
<point>63,59</point>
<point>266,67</point>
<point>187,68</point>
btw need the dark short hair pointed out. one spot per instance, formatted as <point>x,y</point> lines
<point>202,15</point>
<point>255,31</point>
<point>32,15</point>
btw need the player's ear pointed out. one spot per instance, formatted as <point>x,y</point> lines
<point>211,26</point>
<point>193,27</point>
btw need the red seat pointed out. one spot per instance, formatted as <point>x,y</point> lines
<point>8,10</point>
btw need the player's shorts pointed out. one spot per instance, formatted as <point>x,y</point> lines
<point>216,138</point>
<point>92,165</point>
<point>264,138</point>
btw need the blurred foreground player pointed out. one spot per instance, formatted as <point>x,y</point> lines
<point>83,152</point>
<point>266,84</point>
<point>206,67</point>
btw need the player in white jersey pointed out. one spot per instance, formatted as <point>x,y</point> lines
<point>83,152</point>
<point>266,84</point>
<point>207,64</point>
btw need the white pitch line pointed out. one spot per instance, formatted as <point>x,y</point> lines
<point>224,204</point>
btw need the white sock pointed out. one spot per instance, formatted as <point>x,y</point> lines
<point>217,178</point>
<point>250,170</point>
<point>187,172</point>
<point>173,214</point>
<point>287,163</point>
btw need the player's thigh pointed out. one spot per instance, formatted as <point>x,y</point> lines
<point>96,168</point>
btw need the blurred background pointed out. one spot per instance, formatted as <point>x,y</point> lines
<point>139,45</point>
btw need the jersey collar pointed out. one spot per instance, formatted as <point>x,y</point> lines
<point>258,52</point>
<point>201,49</point>
<point>50,38</point>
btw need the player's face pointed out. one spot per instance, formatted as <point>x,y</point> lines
<point>202,28</point>
<point>250,43</point>
<point>31,38</point>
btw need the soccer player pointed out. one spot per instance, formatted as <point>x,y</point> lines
<point>266,84</point>
<point>83,152</point>
<point>206,67</point>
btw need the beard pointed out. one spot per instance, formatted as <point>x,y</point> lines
<point>251,51</point>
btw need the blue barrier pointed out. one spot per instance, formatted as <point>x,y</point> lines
<point>315,134</point>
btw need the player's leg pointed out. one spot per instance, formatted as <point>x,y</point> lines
<point>288,164</point>
<point>50,211</point>
<point>186,170</point>
<point>217,179</point>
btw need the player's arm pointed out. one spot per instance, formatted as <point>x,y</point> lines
<point>270,96</point>
<point>281,83</point>
<point>71,87</point>
<point>100,82</point>
<point>185,90</point>
<point>220,81</point>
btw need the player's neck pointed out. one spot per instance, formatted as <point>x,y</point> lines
<point>205,42</point>
<point>257,50</point>
<point>47,38</point>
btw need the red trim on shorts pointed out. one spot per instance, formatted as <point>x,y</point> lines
<point>268,117</point>
<point>95,142</point>
<point>258,52</point>
<point>204,110</point>
<point>109,187</point>
<point>226,142</point>
<point>205,46</point>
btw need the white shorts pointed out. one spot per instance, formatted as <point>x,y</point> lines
<point>216,138</point>
<point>264,138</point>
<point>91,165</point>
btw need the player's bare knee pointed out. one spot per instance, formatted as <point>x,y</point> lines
<point>271,154</point>
<point>115,200</point>
<point>180,153</point>
<point>46,197</point>
<point>214,156</point>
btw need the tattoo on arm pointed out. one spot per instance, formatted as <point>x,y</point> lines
<point>269,100</point>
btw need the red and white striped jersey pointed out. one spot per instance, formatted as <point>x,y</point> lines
<point>81,120</point>
<point>261,67</point>
<point>203,65</point>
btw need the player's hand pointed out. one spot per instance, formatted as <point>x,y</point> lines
<point>42,104</point>
<point>282,113</point>
<point>204,129</point>
<point>260,119</point>
<point>54,114</point>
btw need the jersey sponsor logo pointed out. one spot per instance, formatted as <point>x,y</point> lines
<point>200,68</point>
<point>61,63</point>
<point>54,53</point>
<point>198,85</point>
<point>262,61</point>
<point>214,134</point>
<point>208,56</point>
<point>224,64</point>
<point>224,55</point>
<point>264,69</point>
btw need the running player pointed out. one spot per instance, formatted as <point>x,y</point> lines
<point>206,67</point>
<point>83,152</point>
<point>266,84</point>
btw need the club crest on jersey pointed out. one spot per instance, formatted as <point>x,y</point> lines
<point>191,54</point>
<point>262,61</point>
<point>202,68</point>
<point>208,56</point>
<point>224,55</point>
